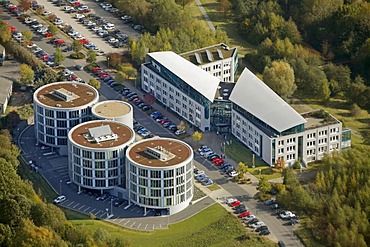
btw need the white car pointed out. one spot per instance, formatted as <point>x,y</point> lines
<point>79,16</point>
<point>29,20</point>
<point>36,49</point>
<point>287,215</point>
<point>58,21</point>
<point>198,173</point>
<point>204,151</point>
<point>109,26</point>
<point>60,199</point>
<point>46,13</point>
<point>252,216</point>
<point>82,7</point>
<point>17,35</point>
<point>32,45</point>
<point>100,53</point>
<point>231,200</point>
<point>258,224</point>
<point>179,132</point>
<point>233,173</point>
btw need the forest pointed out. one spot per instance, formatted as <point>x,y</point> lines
<point>310,49</point>
<point>337,202</point>
<point>27,220</point>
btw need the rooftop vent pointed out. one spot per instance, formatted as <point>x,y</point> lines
<point>42,97</point>
<point>65,94</point>
<point>197,58</point>
<point>58,105</point>
<point>160,153</point>
<point>89,93</point>
<point>100,134</point>
<point>225,47</point>
<point>220,54</point>
<point>209,56</point>
<point>74,84</point>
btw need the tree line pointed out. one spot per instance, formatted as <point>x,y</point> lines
<point>27,220</point>
<point>337,203</point>
<point>339,29</point>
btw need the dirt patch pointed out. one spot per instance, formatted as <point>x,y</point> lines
<point>20,98</point>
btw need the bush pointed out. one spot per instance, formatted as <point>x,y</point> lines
<point>78,55</point>
<point>91,66</point>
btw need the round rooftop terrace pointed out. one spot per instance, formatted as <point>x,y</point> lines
<point>100,134</point>
<point>65,94</point>
<point>178,152</point>
<point>111,109</point>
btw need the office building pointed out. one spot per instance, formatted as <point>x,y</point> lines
<point>115,110</point>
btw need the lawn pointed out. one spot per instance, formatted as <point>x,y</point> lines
<point>213,226</point>
<point>240,153</point>
<point>214,187</point>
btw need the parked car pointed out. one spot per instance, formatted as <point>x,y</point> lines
<point>234,204</point>
<point>180,132</point>
<point>286,215</point>
<point>257,224</point>
<point>265,232</point>
<point>207,182</point>
<point>244,214</point>
<point>200,177</point>
<point>102,197</point>
<point>60,199</point>
<point>270,202</point>
<point>233,173</point>
<point>261,228</point>
<point>198,172</point>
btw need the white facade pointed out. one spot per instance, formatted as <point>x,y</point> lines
<point>98,165</point>
<point>115,110</point>
<point>160,184</point>
<point>218,60</point>
<point>309,145</point>
<point>54,117</point>
<point>170,96</point>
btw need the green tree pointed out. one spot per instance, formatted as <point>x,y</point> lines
<point>52,29</point>
<point>225,7</point>
<point>264,186</point>
<point>290,180</point>
<point>355,110</point>
<point>184,3</point>
<point>242,169</point>
<point>128,70</point>
<point>280,78</point>
<point>197,137</point>
<point>94,83</point>
<point>91,57</point>
<point>26,74</point>
<point>58,56</point>
<point>5,34</point>
<point>27,34</point>
<point>76,46</point>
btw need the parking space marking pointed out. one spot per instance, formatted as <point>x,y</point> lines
<point>81,207</point>
<point>97,212</point>
<point>138,226</point>
<point>104,213</point>
<point>129,205</point>
<point>132,224</point>
<point>86,209</point>
<point>146,226</point>
<point>132,209</point>
<point>119,222</point>
<point>127,222</point>
<point>92,211</point>
<point>70,204</point>
<point>138,211</point>
<point>76,205</point>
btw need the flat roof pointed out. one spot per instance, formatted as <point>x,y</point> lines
<point>180,149</point>
<point>111,109</point>
<point>200,80</point>
<point>209,54</point>
<point>254,96</point>
<point>83,94</point>
<point>123,132</point>
<point>318,118</point>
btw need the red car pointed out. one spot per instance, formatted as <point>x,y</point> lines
<point>96,69</point>
<point>102,76</point>
<point>47,35</point>
<point>13,29</point>
<point>244,214</point>
<point>86,11</point>
<point>218,161</point>
<point>83,41</point>
<point>76,4</point>
<point>164,121</point>
<point>235,203</point>
<point>59,41</point>
<point>45,57</point>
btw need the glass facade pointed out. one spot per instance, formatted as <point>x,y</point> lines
<point>221,115</point>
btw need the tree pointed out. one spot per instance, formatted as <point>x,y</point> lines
<point>264,186</point>
<point>225,7</point>
<point>128,70</point>
<point>280,78</point>
<point>94,83</point>
<point>355,110</point>
<point>27,34</point>
<point>52,29</point>
<point>114,59</point>
<point>91,56</point>
<point>58,56</point>
<point>197,136</point>
<point>6,33</point>
<point>184,3</point>
<point>24,5</point>
<point>26,74</point>
<point>76,46</point>
<point>242,169</point>
<point>181,125</point>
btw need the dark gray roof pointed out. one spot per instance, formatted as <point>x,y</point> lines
<point>256,97</point>
<point>5,86</point>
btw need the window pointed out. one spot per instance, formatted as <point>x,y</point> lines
<point>99,155</point>
<point>155,174</point>
<point>86,154</point>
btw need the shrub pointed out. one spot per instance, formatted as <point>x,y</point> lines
<point>78,55</point>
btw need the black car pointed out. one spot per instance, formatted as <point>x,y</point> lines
<point>240,210</point>
<point>146,108</point>
<point>239,206</point>
<point>265,232</point>
<point>261,228</point>
<point>252,221</point>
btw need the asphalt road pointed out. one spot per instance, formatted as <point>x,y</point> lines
<point>278,228</point>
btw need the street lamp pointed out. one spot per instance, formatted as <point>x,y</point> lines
<point>108,60</point>
<point>60,187</point>
<point>111,207</point>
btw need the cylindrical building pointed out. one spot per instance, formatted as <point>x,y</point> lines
<point>160,174</point>
<point>96,154</point>
<point>116,110</point>
<point>58,107</point>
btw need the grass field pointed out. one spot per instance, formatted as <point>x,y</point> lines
<point>213,226</point>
